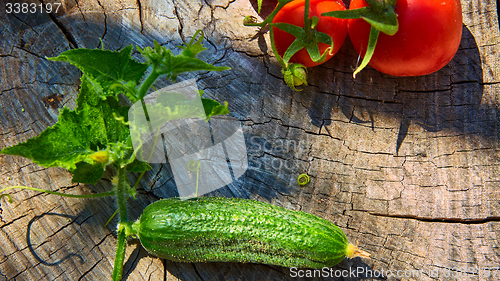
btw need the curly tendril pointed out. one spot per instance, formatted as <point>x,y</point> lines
<point>303,179</point>
<point>120,119</point>
<point>8,196</point>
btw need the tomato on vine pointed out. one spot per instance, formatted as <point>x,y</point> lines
<point>404,37</point>
<point>301,37</point>
<point>428,37</point>
<point>293,13</point>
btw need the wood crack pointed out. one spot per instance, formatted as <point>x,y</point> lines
<point>31,53</point>
<point>90,269</point>
<point>181,25</point>
<point>105,21</point>
<point>64,30</point>
<point>139,7</point>
<point>441,220</point>
<point>498,12</point>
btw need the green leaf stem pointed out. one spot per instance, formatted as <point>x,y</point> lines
<point>381,15</point>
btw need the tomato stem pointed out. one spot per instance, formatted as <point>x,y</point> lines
<point>293,74</point>
<point>249,19</point>
<point>275,51</point>
<point>307,23</point>
<point>259,5</point>
<point>306,37</point>
<point>370,49</point>
<point>381,15</point>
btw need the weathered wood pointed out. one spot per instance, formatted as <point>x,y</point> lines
<point>407,167</point>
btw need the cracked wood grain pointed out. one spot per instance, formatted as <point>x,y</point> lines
<point>407,167</point>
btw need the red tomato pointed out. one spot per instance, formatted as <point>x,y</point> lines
<point>428,37</point>
<point>293,13</point>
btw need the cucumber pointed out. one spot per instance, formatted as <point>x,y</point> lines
<point>215,229</point>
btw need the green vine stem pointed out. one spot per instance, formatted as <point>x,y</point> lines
<point>133,188</point>
<point>120,254</point>
<point>122,186</point>
<point>307,23</point>
<point>275,51</point>
<point>128,228</point>
<point>143,89</point>
<point>50,148</point>
<point>96,195</point>
<point>121,191</point>
<point>111,218</point>
<point>294,74</point>
<point>157,135</point>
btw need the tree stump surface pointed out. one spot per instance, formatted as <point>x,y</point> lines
<point>407,167</point>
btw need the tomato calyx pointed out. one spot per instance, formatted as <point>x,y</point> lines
<point>294,74</point>
<point>306,37</point>
<point>382,17</point>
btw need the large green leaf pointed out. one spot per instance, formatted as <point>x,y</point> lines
<point>106,115</point>
<point>96,124</point>
<point>96,133</point>
<point>109,68</point>
<point>62,145</point>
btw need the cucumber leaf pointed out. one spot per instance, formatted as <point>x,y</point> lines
<point>96,124</point>
<point>137,166</point>
<point>213,108</point>
<point>115,71</point>
<point>87,173</point>
<point>99,122</point>
<point>106,115</point>
<point>63,145</point>
<point>195,46</point>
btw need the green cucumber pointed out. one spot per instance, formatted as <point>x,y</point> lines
<point>214,229</point>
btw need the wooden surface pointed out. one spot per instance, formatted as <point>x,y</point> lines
<point>407,167</point>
